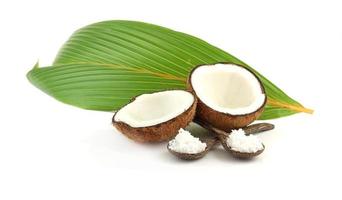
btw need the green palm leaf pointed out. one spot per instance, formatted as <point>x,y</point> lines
<point>105,64</point>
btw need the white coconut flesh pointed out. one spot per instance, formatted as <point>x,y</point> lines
<point>152,109</point>
<point>228,88</point>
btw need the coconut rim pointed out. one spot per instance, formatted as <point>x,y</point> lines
<point>238,65</point>
<point>133,99</point>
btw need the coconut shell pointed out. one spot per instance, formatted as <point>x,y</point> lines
<point>258,128</point>
<point>225,121</point>
<point>160,132</point>
<point>195,156</point>
<point>241,155</point>
<point>222,136</point>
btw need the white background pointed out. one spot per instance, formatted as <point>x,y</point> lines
<point>49,150</point>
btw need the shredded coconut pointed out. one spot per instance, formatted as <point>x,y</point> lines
<point>184,142</point>
<point>239,141</point>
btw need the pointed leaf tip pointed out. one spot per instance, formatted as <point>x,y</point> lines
<point>36,65</point>
<point>28,74</point>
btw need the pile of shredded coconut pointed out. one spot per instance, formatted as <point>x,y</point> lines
<point>184,142</point>
<point>239,141</point>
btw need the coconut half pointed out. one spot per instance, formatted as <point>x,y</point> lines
<point>229,96</point>
<point>157,116</point>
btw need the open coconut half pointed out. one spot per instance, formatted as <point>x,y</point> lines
<point>157,116</point>
<point>229,96</point>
